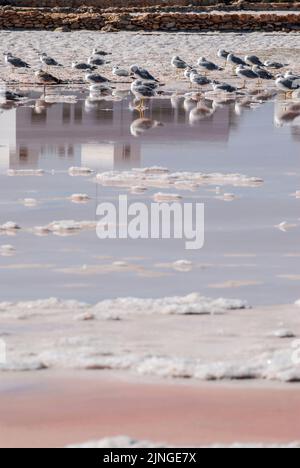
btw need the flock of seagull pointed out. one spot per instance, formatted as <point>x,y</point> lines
<point>145,85</point>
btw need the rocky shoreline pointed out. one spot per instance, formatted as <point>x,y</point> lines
<point>95,19</point>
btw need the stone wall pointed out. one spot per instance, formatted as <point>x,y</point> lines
<point>139,3</point>
<point>97,20</point>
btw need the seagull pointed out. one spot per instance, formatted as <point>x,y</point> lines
<point>94,78</point>
<point>47,78</point>
<point>96,61</point>
<point>270,64</point>
<point>142,91</point>
<point>15,61</point>
<point>254,60</point>
<point>235,60</point>
<point>263,74</point>
<point>142,73</point>
<point>246,74</point>
<point>49,61</point>
<point>178,63</point>
<point>199,80</point>
<point>287,85</point>
<point>82,66</point>
<point>100,52</point>
<point>227,88</point>
<point>210,66</point>
<point>10,96</point>
<point>188,71</point>
<point>291,76</point>
<point>222,53</point>
<point>117,71</point>
<point>149,84</point>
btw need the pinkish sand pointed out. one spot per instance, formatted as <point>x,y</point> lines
<point>50,410</point>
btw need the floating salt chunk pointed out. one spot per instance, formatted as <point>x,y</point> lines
<point>283,333</point>
<point>25,172</point>
<point>79,198</point>
<point>297,303</point>
<point>7,250</point>
<point>183,265</point>
<point>297,194</point>
<point>166,197</point>
<point>41,231</point>
<point>23,366</point>
<point>120,264</point>
<point>65,227</point>
<point>9,226</point>
<point>152,170</point>
<point>181,305</point>
<point>156,177</point>
<point>137,190</point>
<point>29,202</point>
<point>285,226</point>
<point>228,196</point>
<point>85,317</point>
<point>118,442</point>
<point>80,171</point>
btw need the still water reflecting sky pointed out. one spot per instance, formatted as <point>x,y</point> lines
<point>244,255</point>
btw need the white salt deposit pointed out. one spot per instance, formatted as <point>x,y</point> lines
<point>43,304</point>
<point>285,226</point>
<point>183,265</point>
<point>65,227</point>
<point>161,177</point>
<point>283,333</point>
<point>25,172</point>
<point>29,202</point>
<point>80,171</point>
<point>79,198</point>
<point>166,197</point>
<point>128,442</point>
<point>9,226</point>
<point>177,305</point>
<point>118,442</point>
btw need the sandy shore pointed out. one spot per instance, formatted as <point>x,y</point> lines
<point>128,48</point>
<point>54,410</point>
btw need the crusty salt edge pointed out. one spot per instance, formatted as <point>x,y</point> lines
<point>27,172</point>
<point>165,179</point>
<point>80,171</point>
<point>129,442</point>
<point>66,226</point>
<point>114,308</point>
<point>276,365</point>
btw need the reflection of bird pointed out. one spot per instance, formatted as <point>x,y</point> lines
<point>49,61</point>
<point>142,125</point>
<point>118,71</point>
<point>82,66</point>
<point>94,78</point>
<point>200,112</point>
<point>142,73</point>
<point>47,78</point>
<point>15,61</point>
<point>254,60</point>
<point>99,88</point>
